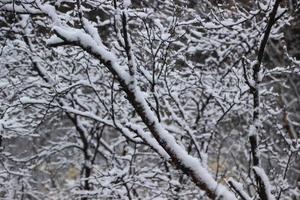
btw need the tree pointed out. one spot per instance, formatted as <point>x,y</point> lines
<point>143,98</point>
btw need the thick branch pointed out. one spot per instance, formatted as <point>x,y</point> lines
<point>253,138</point>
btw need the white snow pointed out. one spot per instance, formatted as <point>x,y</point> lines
<point>238,186</point>
<point>262,174</point>
<point>127,3</point>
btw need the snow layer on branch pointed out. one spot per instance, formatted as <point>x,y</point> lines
<point>54,40</point>
<point>261,173</point>
<point>49,10</point>
<point>185,159</point>
<point>79,37</point>
<point>20,8</point>
<point>239,188</point>
<point>150,140</point>
<point>92,31</point>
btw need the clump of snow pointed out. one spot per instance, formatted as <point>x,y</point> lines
<point>252,130</point>
<point>127,3</point>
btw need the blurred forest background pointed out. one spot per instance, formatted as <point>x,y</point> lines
<point>149,99</point>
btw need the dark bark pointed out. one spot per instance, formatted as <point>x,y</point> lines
<point>256,101</point>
